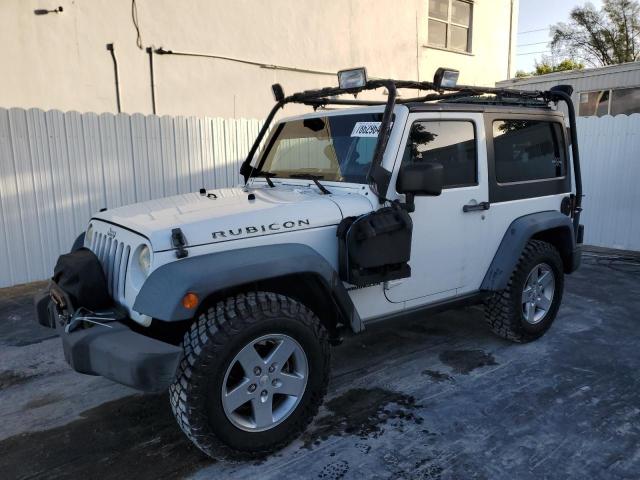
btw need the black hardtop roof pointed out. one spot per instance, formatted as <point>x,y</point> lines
<point>460,106</point>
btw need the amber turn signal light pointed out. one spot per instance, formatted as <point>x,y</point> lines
<point>190,301</point>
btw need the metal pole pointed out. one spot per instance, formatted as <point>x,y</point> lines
<point>510,40</point>
<point>111,49</point>
<point>153,83</point>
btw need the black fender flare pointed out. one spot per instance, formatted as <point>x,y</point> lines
<point>516,237</point>
<point>161,294</point>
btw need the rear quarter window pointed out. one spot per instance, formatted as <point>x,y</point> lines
<point>528,150</point>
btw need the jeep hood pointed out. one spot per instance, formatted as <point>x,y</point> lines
<point>229,214</point>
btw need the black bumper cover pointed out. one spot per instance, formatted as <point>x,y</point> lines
<point>114,351</point>
<point>122,355</point>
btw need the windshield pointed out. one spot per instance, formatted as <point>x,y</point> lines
<point>335,148</point>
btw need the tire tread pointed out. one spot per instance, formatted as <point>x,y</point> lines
<point>213,329</point>
<point>499,310</point>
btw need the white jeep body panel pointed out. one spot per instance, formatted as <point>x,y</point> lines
<point>205,219</point>
<point>293,212</point>
<point>451,250</point>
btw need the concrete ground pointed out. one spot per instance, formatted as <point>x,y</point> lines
<point>418,398</point>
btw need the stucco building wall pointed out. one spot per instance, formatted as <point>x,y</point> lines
<point>60,60</point>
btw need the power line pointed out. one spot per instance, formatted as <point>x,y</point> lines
<point>535,43</point>
<point>136,25</point>
<point>534,53</point>
<point>163,51</point>
<point>532,31</point>
<point>555,52</point>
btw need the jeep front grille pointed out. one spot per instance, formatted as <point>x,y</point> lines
<point>114,257</point>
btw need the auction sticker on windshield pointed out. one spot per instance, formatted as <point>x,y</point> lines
<point>366,129</point>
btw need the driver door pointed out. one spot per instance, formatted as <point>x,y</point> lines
<point>447,242</point>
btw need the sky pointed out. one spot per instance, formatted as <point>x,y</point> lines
<point>534,20</point>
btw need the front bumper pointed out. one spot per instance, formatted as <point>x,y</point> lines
<point>114,351</point>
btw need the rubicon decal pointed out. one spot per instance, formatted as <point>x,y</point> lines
<point>253,229</point>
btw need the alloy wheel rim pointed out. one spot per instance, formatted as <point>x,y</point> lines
<point>265,382</point>
<point>538,292</point>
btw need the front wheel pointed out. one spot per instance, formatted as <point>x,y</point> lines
<point>254,372</point>
<point>528,306</point>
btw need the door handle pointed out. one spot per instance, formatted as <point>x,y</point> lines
<point>476,207</point>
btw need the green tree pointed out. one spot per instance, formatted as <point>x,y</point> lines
<point>545,66</point>
<point>600,37</point>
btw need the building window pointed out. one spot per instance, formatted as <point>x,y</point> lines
<point>526,150</point>
<point>619,101</point>
<point>594,103</point>
<point>450,24</point>
<point>625,101</point>
<point>450,143</point>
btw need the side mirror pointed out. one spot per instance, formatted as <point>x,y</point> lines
<point>420,178</point>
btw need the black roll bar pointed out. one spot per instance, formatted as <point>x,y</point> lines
<point>246,170</point>
<point>560,94</point>
<point>377,176</point>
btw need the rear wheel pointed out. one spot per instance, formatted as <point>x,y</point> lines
<point>254,372</point>
<point>528,306</point>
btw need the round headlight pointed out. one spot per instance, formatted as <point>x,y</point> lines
<point>88,236</point>
<point>144,259</point>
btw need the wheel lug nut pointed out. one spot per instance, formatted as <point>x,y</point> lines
<point>274,382</point>
<point>272,369</point>
<point>252,387</point>
<point>264,393</point>
<point>257,370</point>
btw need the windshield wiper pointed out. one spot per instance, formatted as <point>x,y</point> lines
<point>267,176</point>
<point>315,178</point>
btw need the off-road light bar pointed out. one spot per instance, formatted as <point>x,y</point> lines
<point>352,78</point>
<point>445,77</point>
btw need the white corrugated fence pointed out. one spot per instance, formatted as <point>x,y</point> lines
<point>610,160</point>
<point>56,169</point>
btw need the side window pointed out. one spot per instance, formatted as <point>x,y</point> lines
<point>526,150</point>
<point>594,103</point>
<point>451,143</point>
<point>625,101</point>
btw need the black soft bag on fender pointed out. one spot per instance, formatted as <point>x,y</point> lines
<point>79,274</point>
<point>375,247</point>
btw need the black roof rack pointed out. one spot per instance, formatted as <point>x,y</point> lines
<point>498,100</point>
<point>378,177</point>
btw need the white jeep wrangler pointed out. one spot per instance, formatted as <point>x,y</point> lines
<point>231,298</point>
